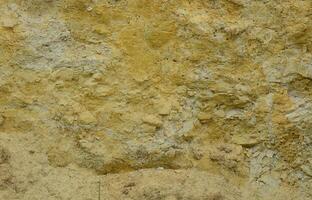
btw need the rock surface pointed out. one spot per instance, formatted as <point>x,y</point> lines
<point>155,99</point>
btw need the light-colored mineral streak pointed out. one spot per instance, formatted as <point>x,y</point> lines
<point>156,99</point>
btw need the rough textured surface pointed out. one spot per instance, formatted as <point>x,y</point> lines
<point>155,99</point>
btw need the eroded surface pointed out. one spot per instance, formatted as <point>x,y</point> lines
<point>191,95</point>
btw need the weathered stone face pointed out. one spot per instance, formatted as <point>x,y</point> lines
<point>113,86</point>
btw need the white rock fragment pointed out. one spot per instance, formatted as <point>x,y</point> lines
<point>160,168</point>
